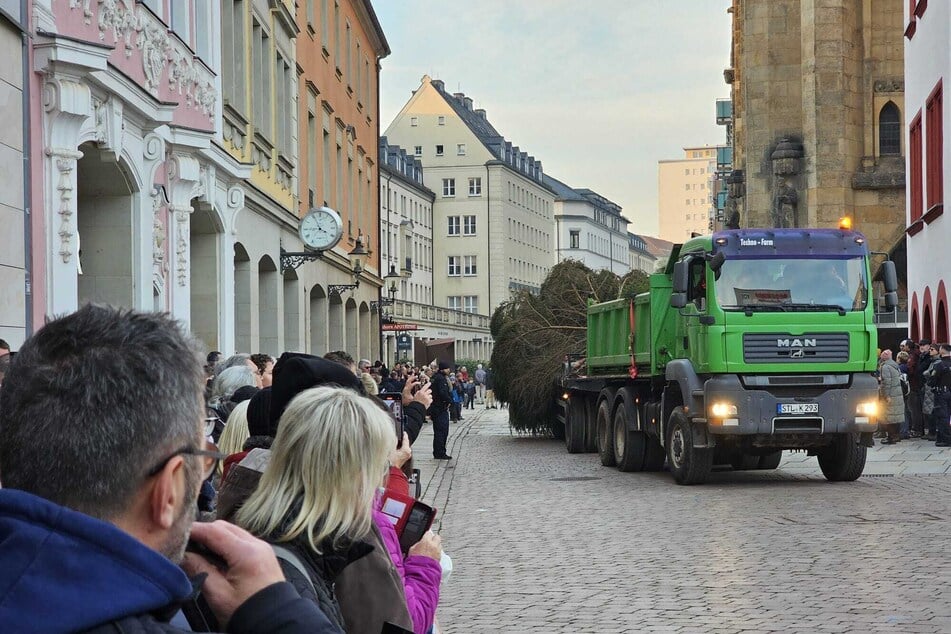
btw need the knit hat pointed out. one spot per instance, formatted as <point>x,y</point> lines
<point>443,366</point>
<point>258,408</point>
<point>295,372</point>
<point>243,394</point>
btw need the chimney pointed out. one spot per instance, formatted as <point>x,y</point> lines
<point>467,102</point>
<point>438,84</point>
<point>480,112</point>
<point>459,96</point>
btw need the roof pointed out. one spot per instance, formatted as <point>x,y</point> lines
<point>658,247</point>
<point>562,191</point>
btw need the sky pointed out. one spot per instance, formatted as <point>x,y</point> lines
<point>598,90</point>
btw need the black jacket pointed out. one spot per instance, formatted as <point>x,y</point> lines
<point>442,395</point>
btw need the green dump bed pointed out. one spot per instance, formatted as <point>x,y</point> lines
<point>609,331</point>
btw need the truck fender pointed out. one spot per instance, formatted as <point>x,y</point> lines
<point>625,398</point>
<point>681,372</point>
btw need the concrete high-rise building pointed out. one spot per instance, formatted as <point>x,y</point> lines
<point>818,101</point>
<point>927,62</point>
<point>684,197</point>
<point>493,224</point>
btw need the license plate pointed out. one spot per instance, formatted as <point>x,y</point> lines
<point>797,408</point>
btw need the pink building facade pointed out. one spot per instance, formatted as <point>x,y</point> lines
<point>135,200</point>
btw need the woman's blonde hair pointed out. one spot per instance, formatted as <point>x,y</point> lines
<point>331,454</point>
<point>235,432</point>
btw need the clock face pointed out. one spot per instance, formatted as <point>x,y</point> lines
<point>321,229</point>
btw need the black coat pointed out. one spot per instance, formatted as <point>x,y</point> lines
<point>442,394</point>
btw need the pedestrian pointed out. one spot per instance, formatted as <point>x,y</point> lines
<point>915,419</point>
<point>470,391</point>
<point>480,384</point>
<point>902,360</point>
<point>941,385</point>
<point>265,367</point>
<point>918,383</point>
<point>891,398</point>
<point>439,410</point>
<point>927,391</point>
<point>490,389</point>
<point>94,519</point>
<point>4,348</point>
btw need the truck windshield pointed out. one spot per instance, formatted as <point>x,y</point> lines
<point>788,284</point>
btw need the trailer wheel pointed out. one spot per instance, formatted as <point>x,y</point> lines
<point>629,445</point>
<point>605,426</point>
<point>843,460</point>
<point>688,464</point>
<point>575,410</point>
<point>591,426</point>
<point>770,461</point>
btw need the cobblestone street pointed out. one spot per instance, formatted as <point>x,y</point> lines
<point>545,541</point>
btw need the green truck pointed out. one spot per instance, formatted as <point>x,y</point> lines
<point>750,342</point>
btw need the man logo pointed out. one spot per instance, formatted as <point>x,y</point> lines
<point>798,353</point>
<point>795,343</point>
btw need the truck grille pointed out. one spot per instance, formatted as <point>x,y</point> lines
<point>808,348</point>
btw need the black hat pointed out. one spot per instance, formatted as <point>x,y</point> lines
<point>924,342</point>
<point>443,366</point>
<point>243,394</point>
<point>258,408</point>
<point>295,372</point>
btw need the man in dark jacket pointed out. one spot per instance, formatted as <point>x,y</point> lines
<point>439,411</point>
<point>101,464</point>
<point>941,384</point>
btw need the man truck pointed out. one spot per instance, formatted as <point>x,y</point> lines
<point>750,342</point>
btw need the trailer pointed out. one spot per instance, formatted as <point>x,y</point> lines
<point>750,342</point>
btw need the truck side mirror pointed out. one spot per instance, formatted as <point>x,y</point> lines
<point>681,276</point>
<point>890,277</point>
<point>891,300</point>
<point>716,263</point>
<point>678,300</point>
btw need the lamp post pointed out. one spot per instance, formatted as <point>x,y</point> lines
<point>390,281</point>
<point>358,255</point>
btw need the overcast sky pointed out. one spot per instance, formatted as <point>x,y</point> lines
<point>599,90</point>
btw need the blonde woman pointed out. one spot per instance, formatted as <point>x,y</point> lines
<point>235,433</point>
<point>317,498</point>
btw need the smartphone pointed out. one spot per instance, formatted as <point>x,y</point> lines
<point>394,402</point>
<point>420,518</point>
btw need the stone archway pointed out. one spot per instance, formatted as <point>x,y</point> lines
<point>366,339</point>
<point>336,339</point>
<point>105,204</point>
<point>292,312</point>
<point>242,299</point>
<point>352,328</point>
<point>319,345</point>
<point>204,239</point>
<point>269,341</point>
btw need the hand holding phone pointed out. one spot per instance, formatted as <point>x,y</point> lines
<point>429,546</point>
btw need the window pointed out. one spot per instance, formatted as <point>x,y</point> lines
<point>179,19</point>
<point>455,266</point>
<point>574,239</point>
<point>414,121</point>
<point>470,303</point>
<point>460,149</point>
<point>418,150</point>
<point>468,225</point>
<point>688,201</point>
<point>337,36</point>
<point>469,265</point>
<point>889,130</point>
<point>454,226</point>
<point>475,186</point>
<point>687,186</point>
<point>203,29</point>
<point>324,23</point>
<point>934,148</point>
<point>449,187</point>
<point>687,172</point>
<point>914,147</point>
<point>349,44</point>
<point>441,120</point>
<point>454,302</point>
<point>438,150</point>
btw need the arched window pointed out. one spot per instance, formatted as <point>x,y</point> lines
<point>889,130</point>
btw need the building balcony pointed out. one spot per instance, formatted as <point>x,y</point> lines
<point>426,314</point>
<point>724,111</point>
<point>724,158</point>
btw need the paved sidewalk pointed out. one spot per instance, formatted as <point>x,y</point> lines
<point>909,457</point>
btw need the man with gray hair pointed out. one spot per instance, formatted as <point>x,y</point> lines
<point>101,457</point>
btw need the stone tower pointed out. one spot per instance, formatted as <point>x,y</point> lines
<point>818,96</point>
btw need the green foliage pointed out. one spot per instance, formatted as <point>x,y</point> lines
<point>470,365</point>
<point>533,333</point>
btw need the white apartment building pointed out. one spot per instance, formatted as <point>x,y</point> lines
<point>684,198</point>
<point>589,228</point>
<point>927,63</point>
<point>493,216</point>
<point>639,256</point>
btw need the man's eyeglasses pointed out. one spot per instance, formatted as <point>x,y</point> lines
<point>209,455</point>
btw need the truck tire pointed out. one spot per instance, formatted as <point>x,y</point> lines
<point>744,462</point>
<point>654,455</point>
<point>591,426</point>
<point>770,461</point>
<point>688,464</point>
<point>575,410</point>
<point>843,460</point>
<point>629,446</point>
<point>605,427</point>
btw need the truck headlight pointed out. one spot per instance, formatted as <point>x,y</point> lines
<point>722,409</point>
<point>867,408</point>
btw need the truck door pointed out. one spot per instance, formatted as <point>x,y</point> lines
<point>698,303</point>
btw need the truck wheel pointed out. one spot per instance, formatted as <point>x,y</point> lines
<point>574,424</point>
<point>654,455</point>
<point>688,464</point>
<point>770,460</point>
<point>744,462</point>
<point>591,426</point>
<point>605,428</point>
<point>843,460</point>
<point>628,445</point>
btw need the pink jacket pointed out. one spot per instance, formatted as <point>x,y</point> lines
<point>420,575</point>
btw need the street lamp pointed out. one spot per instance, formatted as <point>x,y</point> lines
<point>357,257</point>
<point>390,280</point>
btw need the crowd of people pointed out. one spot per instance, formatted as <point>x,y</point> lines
<point>142,490</point>
<point>915,389</point>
